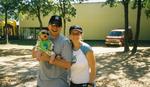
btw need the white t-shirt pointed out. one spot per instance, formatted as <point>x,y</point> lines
<point>80,70</point>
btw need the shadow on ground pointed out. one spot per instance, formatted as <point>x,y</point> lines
<point>113,69</point>
<point>120,69</point>
<point>17,71</point>
<point>17,52</point>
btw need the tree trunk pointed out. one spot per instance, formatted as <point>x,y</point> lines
<point>64,17</point>
<point>39,17</point>
<point>6,28</point>
<point>138,22</point>
<point>64,20</point>
<point>126,42</point>
<point>63,12</point>
<point>40,22</point>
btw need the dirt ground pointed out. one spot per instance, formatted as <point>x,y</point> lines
<point>114,68</point>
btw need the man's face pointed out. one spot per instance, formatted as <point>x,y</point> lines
<point>54,29</point>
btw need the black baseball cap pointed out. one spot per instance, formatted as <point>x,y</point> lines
<point>56,20</point>
<point>75,27</point>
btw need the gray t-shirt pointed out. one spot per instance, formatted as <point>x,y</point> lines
<point>53,76</point>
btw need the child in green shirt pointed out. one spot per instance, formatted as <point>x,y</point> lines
<point>44,45</point>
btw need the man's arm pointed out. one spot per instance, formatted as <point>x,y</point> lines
<point>44,56</point>
<point>60,62</point>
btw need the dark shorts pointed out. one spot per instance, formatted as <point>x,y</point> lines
<point>78,85</point>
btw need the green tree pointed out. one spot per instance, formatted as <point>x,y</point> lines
<point>126,20</point>
<point>66,10</point>
<point>2,16</point>
<point>139,4</point>
<point>146,5</point>
<point>125,3</point>
<point>9,9</point>
<point>138,20</point>
<point>37,8</point>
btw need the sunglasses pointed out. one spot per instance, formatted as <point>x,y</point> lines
<point>45,33</point>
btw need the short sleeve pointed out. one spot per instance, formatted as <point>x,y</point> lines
<point>86,48</point>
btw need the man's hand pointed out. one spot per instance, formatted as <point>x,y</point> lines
<point>44,56</point>
<point>58,61</point>
<point>61,63</point>
<point>34,55</point>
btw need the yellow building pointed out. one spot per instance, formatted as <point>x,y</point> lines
<point>11,28</point>
<point>97,21</point>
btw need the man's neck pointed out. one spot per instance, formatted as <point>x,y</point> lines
<point>54,36</point>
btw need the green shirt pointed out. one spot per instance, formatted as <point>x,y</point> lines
<point>44,45</point>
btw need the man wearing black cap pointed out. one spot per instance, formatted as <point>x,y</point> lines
<point>50,75</point>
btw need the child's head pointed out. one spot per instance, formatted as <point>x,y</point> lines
<point>43,35</point>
